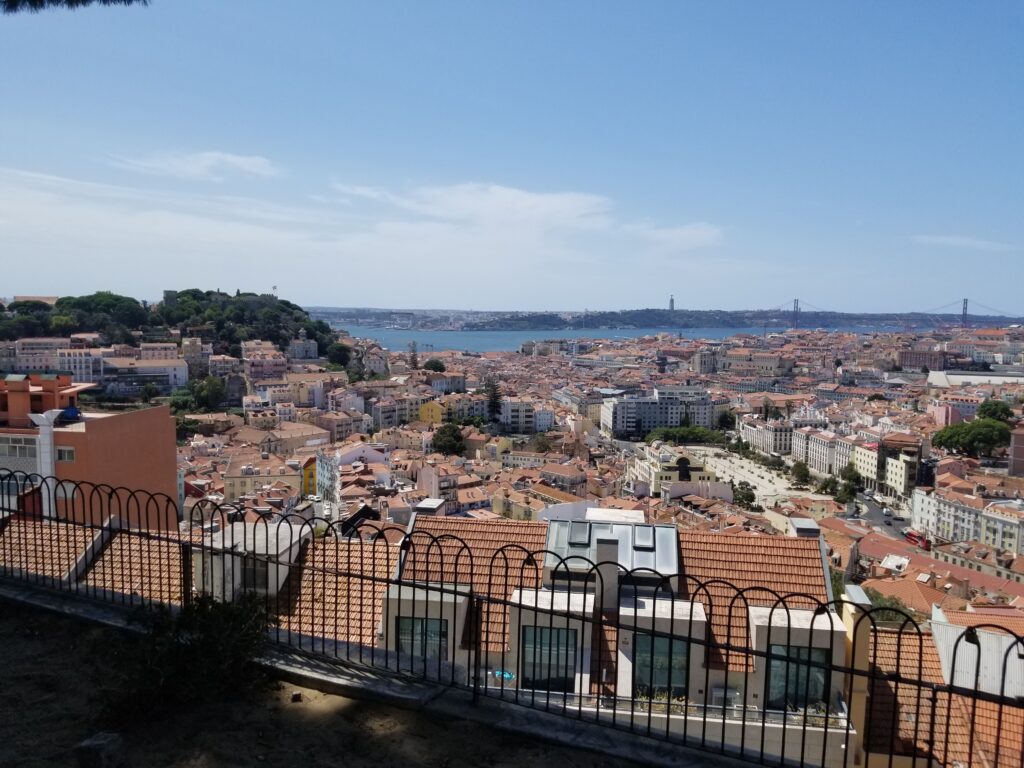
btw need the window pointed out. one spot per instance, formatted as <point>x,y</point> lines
<point>660,666</point>
<point>426,638</point>
<point>792,683</point>
<point>255,574</point>
<point>549,659</point>
<point>17,447</point>
<point>65,454</point>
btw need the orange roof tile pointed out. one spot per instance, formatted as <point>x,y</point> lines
<point>768,567</point>
<point>478,553</point>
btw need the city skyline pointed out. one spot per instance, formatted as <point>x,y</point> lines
<point>865,160</point>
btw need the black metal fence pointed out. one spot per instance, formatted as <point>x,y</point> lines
<point>773,678</point>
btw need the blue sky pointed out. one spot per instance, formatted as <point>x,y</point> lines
<point>527,155</point>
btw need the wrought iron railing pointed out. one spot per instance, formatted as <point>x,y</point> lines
<point>748,672</point>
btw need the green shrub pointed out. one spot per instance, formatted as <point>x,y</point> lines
<point>204,652</point>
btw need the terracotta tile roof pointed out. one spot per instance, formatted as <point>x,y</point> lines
<point>338,590</point>
<point>41,547</point>
<point>913,594</point>
<point>1013,622</point>
<point>761,564</point>
<point>470,552</point>
<point>901,714</point>
<point>132,564</point>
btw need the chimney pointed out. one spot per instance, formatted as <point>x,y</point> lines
<point>606,590</point>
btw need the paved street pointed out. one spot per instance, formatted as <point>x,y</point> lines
<point>873,517</point>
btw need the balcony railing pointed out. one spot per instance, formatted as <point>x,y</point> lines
<point>491,619</point>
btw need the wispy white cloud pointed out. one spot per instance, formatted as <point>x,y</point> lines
<point>683,238</point>
<point>197,166</point>
<point>499,207</point>
<point>961,242</point>
<point>489,202</point>
<point>460,245</point>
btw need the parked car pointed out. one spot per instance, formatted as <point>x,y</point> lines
<point>888,521</point>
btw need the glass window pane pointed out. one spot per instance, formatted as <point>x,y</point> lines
<point>549,659</point>
<point>792,684</point>
<point>660,666</point>
<point>423,637</point>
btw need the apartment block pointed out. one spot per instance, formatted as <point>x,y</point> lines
<point>773,436</point>
<point>635,417</point>
<point>43,432</point>
<point>127,375</point>
<point>303,348</point>
<point>38,354</point>
<point>158,350</point>
<point>224,365</point>
<point>518,415</point>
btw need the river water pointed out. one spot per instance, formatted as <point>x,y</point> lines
<point>504,341</point>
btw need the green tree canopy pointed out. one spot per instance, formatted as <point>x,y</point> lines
<point>894,609</point>
<point>800,472</point>
<point>339,354</point>
<point>148,392</point>
<point>542,443</point>
<point>829,485</point>
<point>209,392</point>
<point>685,435</point>
<point>448,440</point>
<point>433,364</point>
<point>995,409</point>
<point>743,495</point>
<point>850,475</point>
<point>975,438</point>
<point>493,392</point>
<point>727,420</point>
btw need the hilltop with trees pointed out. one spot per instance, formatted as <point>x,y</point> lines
<point>225,320</point>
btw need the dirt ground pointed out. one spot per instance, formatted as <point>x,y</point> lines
<point>51,667</point>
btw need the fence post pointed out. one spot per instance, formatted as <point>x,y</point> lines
<point>477,649</point>
<point>186,574</point>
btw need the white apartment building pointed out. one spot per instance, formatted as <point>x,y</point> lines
<point>946,516</point>
<point>397,410</point>
<point>543,419</point>
<point>844,451</point>
<point>84,365</point>
<point>39,354</point>
<point>1002,525</point>
<point>127,376</point>
<point>158,350</point>
<point>635,417</point>
<point>817,449</point>
<point>343,399</point>
<point>224,365</point>
<point>771,437</point>
<point>518,415</point>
